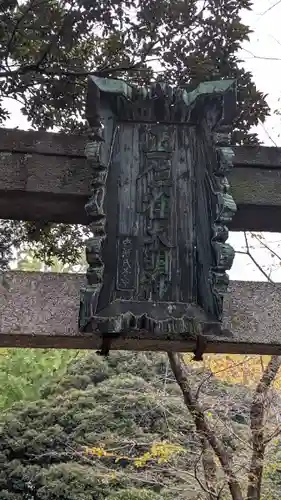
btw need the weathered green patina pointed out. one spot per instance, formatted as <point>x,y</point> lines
<point>159,208</point>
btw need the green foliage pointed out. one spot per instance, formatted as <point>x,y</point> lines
<point>273,468</point>
<point>23,372</point>
<point>29,261</point>
<point>111,430</point>
<point>49,243</point>
<point>42,444</point>
<point>47,49</point>
<point>135,494</point>
<point>52,46</point>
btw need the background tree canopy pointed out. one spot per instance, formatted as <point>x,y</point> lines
<point>48,48</point>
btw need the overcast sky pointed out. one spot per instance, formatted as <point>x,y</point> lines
<point>262,56</point>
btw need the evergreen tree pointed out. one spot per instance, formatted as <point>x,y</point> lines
<point>91,434</point>
<point>119,429</point>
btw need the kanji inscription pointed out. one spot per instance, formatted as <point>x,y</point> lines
<point>154,204</point>
<point>126,263</point>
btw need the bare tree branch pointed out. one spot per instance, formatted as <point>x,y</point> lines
<point>210,375</point>
<point>254,260</point>
<point>271,7</point>
<point>202,424</point>
<point>257,428</point>
<point>266,246</point>
<point>57,71</point>
<point>273,435</point>
<point>210,469</point>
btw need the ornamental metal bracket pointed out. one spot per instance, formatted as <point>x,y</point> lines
<point>159,210</point>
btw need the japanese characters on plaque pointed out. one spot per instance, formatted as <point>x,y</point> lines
<point>126,264</point>
<point>154,206</point>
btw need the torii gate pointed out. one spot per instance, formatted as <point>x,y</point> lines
<point>46,176</point>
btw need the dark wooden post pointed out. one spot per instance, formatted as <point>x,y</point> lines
<point>159,208</point>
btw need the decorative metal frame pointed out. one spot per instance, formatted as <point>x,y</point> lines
<point>209,110</point>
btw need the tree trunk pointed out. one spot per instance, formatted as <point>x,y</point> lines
<point>210,469</point>
<point>257,428</point>
<point>202,424</point>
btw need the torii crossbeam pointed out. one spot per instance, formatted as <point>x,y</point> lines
<point>46,177</point>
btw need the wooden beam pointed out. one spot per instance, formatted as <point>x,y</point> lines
<point>50,144</point>
<point>41,310</point>
<point>45,176</point>
<point>257,156</point>
<point>256,187</point>
<point>42,187</point>
<point>44,143</point>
